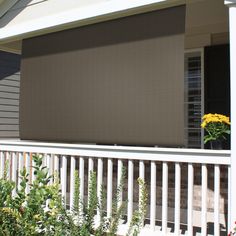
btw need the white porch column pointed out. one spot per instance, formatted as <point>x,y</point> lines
<point>232,29</point>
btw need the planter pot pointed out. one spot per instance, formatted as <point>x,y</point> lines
<point>216,144</point>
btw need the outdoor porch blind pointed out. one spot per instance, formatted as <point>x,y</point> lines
<point>115,82</point>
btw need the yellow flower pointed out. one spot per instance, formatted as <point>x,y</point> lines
<point>203,125</point>
<point>214,118</point>
<point>217,126</point>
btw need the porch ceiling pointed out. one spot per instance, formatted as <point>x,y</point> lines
<point>28,18</point>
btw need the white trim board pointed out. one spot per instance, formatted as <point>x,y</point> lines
<point>229,2</point>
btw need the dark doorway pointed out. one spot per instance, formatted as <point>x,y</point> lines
<point>217,81</point>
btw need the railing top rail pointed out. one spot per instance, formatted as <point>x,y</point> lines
<point>121,152</point>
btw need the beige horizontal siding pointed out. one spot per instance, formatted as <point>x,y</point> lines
<point>7,114</point>
<point>8,127</point>
<point>10,82</point>
<point>8,121</point>
<point>12,102</point>
<point>9,134</point>
<point>10,89</point>
<point>9,95</point>
<point>9,108</point>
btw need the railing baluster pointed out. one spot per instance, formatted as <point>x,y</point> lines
<point>14,169</point>
<point>119,176</point>
<point>190,198</point>
<point>47,156</point>
<point>109,186</point>
<point>64,177</point>
<point>8,165</point>
<point>141,176</point>
<point>2,164</point>
<point>177,197</point>
<point>21,166</point>
<point>99,175</point>
<point>90,166</point>
<point>81,176</point>
<point>204,200</point>
<point>90,169</point>
<point>33,170</point>
<point>44,160</point>
<point>216,200</point>
<point>49,165</point>
<point>142,170</point>
<point>164,197</point>
<point>99,183</point>
<point>72,182</point>
<point>153,196</point>
<point>56,165</point>
<point>130,189</point>
<point>27,166</point>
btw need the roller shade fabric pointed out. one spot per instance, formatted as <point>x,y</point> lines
<point>115,82</point>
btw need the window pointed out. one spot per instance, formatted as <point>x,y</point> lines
<point>193,100</point>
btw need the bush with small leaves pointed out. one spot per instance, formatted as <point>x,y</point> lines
<point>139,215</point>
<point>40,209</point>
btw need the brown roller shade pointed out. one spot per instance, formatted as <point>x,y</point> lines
<point>116,82</point>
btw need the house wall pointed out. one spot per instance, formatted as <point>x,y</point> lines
<point>9,95</point>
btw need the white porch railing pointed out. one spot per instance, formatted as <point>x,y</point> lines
<point>164,170</point>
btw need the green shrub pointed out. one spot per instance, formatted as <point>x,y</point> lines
<point>39,212</point>
<point>83,217</point>
<point>42,210</point>
<point>139,215</point>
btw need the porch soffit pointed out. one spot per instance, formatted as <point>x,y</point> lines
<point>30,18</point>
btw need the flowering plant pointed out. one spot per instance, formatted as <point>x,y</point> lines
<point>216,126</point>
